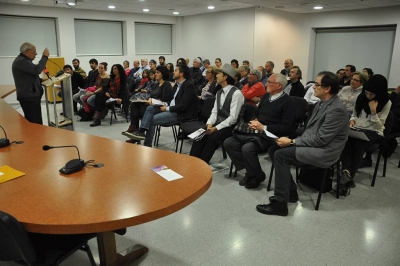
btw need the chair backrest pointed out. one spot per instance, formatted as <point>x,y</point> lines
<point>300,109</point>
<point>130,82</point>
<point>388,124</point>
<point>14,242</point>
<point>207,107</point>
<point>248,112</point>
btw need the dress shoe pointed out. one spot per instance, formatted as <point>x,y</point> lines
<point>245,180</point>
<point>133,141</point>
<point>275,208</point>
<point>293,197</point>
<point>255,182</point>
<point>137,135</point>
<point>96,123</point>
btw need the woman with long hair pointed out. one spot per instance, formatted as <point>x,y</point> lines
<point>369,114</point>
<point>171,69</point>
<point>115,90</point>
<point>162,92</point>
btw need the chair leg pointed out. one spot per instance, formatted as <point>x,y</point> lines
<point>224,152</point>
<point>297,174</point>
<point>398,166</point>
<point>230,170</point>
<point>325,173</point>
<point>86,248</point>
<point>384,166</point>
<point>337,179</point>
<point>271,173</point>
<point>235,174</point>
<point>376,169</point>
<point>174,133</point>
<point>157,136</point>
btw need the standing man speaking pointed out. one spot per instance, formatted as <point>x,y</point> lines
<point>27,81</point>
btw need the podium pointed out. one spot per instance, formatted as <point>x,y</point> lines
<point>53,65</point>
<point>66,121</point>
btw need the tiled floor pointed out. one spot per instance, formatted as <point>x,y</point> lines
<point>223,228</point>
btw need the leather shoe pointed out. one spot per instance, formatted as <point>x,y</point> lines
<point>275,208</point>
<point>96,123</point>
<point>293,197</point>
<point>245,180</point>
<point>255,182</point>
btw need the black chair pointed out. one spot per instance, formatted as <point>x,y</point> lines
<point>326,171</point>
<point>247,116</point>
<point>38,249</point>
<point>130,82</point>
<point>380,146</point>
<point>158,132</point>
<point>188,127</point>
<point>123,107</point>
<point>300,111</point>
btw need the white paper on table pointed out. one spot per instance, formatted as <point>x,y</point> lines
<point>269,134</point>
<point>166,173</point>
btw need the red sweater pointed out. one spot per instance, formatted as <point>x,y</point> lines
<point>251,91</point>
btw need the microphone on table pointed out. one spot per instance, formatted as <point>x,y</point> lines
<point>4,142</point>
<point>72,166</point>
<point>59,73</point>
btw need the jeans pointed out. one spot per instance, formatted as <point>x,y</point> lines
<point>152,118</point>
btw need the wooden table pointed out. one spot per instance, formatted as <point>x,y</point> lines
<point>124,193</point>
<point>6,90</point>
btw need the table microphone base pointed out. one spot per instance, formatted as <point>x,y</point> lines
<point>72,166</point>
<point>4,142</point>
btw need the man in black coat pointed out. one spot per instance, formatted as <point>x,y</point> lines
<point>181,106</point>
<point>77,81</point>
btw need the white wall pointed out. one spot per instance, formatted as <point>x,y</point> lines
<point>281,35</point>
<point>227,35</point>
<point>66,35</point>
<point>252,34</point>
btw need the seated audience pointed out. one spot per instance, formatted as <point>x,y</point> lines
<point>206,64</point>
<point>170,68</point>
<point>295,87</point>
<point>210,87</point>
<point>340,73</point>
<point>370,112</point>
<point>162,92</point>
<point>228,103</point>
<point>180,61</point>
<point>77,82</point>
<point>161,61</point>
<point>369,72</point>
<point>187,61</point>
<point>309,96</point>
<point>264,76</point>
<point>269,68</point>
<point>320,144</point>
<point>288,64</point>
<point>254,88</point>
<point>90,81</point>
<point>246,63</point>
<point>349,94</point>
<point>244,72</point>
<point>238,76</point>
<point>144,66</point>
<point>275,113</point>
<point>115,90</point>
<point>143,81</point>
<point>218,62</point>
<point>196,74</point>
<point>134,69</point>
<point>126,67</point>
<point>143,92</point>
<point>77,68</point>
<point>348,73</point>
<point>235,63</point>
<point>180,106</point>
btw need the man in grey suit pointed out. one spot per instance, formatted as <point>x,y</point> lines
<point>320,145</point>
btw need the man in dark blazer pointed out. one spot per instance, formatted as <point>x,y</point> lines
<point>181,106</point>
<point>320,145</point>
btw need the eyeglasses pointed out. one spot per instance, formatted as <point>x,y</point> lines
<point>318,85</point>
<point>357,80</point>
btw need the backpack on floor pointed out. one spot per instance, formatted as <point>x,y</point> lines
<point>84,115</point>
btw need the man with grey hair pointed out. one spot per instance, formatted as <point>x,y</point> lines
<point>196,73</point>
<point>206,64</point>
<point>274,114</point>
<point>244,72</point>
<point>27,81</point>
<point>288,64</point>
<point>254,88</point>
<point>269,68</point>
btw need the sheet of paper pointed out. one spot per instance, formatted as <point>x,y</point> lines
<point>111,100</point>
<point>269,134</point>
<point>156,102</point>
<point>166,173</point>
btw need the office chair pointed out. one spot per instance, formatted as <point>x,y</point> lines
<point>34,249</point>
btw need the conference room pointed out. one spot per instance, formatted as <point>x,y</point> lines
<point>222,227</point>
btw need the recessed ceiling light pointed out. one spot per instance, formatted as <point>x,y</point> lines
<point>24,0</point>
<point>211,7</point>
<point>318,7</point>
<point>71,4</point>
<point>111,7</point>
<point>146,10</point>
<point>176,13</point>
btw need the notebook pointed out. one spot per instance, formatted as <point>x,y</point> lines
<point>8,173</point>
<point>359,133</point>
